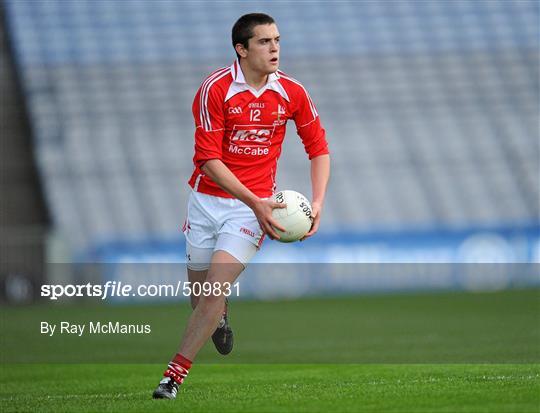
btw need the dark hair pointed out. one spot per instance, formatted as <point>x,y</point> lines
<point>242,30</point>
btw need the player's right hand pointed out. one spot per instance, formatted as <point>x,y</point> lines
<point>263,212</point>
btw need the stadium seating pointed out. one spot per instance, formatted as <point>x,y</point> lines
<point>431,108</point>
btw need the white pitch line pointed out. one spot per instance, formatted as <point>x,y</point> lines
<point>78,396</point>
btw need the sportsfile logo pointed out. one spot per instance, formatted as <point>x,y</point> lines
<point>250,140</point>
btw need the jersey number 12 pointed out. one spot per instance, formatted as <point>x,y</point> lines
<point>255,115</point>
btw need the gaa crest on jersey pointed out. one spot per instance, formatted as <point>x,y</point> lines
<point>235,110</point>
<point>281,114</point>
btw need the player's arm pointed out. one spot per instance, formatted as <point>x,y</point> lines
<point>222,176</point>
<point>320,174</point>
<point>313,137</point>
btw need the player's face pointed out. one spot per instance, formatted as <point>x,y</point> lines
<point>263,51</point>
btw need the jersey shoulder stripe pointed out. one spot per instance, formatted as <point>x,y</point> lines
<point>205,91</point>
<point>293,80</point>
<point>201,93</point>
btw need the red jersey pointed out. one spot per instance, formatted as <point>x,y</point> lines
<point>245,128</point>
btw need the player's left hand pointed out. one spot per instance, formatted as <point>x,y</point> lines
<point>316,210</point>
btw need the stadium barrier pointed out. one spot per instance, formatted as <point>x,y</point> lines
<point>330,264</point>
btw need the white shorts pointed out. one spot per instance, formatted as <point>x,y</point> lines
<point>215,223</point>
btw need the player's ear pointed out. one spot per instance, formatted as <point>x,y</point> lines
<point>241,50</point>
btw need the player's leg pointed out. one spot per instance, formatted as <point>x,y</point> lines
<point>223,336</point>
<point>231,253</point>
<point>196,277</point>
<point>203,321</point>
<point>224,268</point>
<point>243,250</point>
<point>179,366</point>
<point>200,231</point>
<point>201,324</point>
<point>198,261</point>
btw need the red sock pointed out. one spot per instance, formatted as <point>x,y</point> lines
<point>178,368</point>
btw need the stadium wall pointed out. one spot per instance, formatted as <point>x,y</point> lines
<point>329,264</point>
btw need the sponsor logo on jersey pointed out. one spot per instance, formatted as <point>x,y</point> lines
<point>235,110</point>
<point>239,150</point>
<point>251,140</point>
<point>251,137</point>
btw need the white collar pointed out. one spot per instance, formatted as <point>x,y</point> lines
<point>238,75</point>
<point>239,84</point>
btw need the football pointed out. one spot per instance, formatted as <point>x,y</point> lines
<point>296,218</point>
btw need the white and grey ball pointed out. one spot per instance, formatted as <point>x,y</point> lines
<point>296,218</point>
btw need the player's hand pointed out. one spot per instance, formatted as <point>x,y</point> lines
<point>316,209</point>
<point>263,212</point>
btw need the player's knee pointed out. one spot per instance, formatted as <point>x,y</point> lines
<point>211,307</point>
<point>211,301</point>
<point>218,288</point>
<point>194,300</point>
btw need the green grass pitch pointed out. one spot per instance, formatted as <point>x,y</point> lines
<point>276,388</point>
<point>451,352</point>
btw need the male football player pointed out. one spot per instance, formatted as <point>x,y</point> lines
<point>240,115</point>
